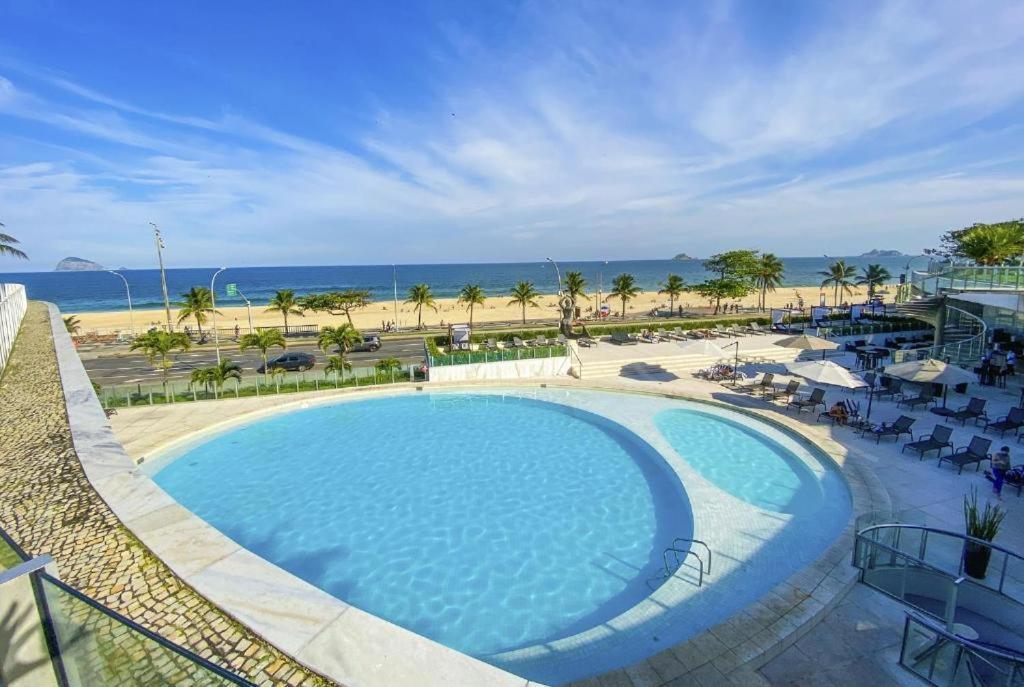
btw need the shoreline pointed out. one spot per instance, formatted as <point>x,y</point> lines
<point>495,309</point>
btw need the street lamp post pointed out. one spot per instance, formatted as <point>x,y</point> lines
<point>394,281</point>
<point>163,276</point>
<point>213,304</point>
<point>558,274</point>
<point>131,313</point>
<point>736,362</point>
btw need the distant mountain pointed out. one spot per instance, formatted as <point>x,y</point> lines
<point>684,256</point>
<point>878,253</point>
<point>77,265</point>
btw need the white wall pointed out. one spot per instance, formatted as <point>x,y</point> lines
<point>13,304</point>
<point>508,369</point>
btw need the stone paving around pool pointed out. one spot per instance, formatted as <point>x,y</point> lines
<point>48,506</point>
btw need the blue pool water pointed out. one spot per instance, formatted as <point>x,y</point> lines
<point>484,522</point>
<point>743,462</point>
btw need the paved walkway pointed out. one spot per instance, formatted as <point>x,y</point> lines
<point>48,506</point>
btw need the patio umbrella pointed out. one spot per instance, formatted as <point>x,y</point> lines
<point>806,342</point>
<point>826,372</point>
<point>931,371</point>
<point>702,347</point>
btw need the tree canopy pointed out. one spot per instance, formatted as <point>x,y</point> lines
<point>736,270</point>
<point>985,244</point>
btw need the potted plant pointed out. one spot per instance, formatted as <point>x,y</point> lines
<point>980,525</point>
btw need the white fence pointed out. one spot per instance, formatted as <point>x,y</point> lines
<point>13,304</point>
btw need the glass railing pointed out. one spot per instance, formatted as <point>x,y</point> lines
<point>965,351</point>
<point>83,643</point>
<point>184,391</point>
<point>497,355</point>
<point>942,278</point>
<point>946,659</point>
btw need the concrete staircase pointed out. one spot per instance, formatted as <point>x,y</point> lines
<point>679,365</point>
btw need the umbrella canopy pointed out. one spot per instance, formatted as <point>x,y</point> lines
<point>826,372</point>
<point>931,371</point>
<point>806,342</point>
<point>702,347</point>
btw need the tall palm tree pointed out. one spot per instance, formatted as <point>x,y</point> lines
<point>72,324</point>
<point>472,295</point>
<point>523,294</point>
<point>337,365</point>
<point>7,246</point>
<point>873,277</point>
<point>285,302</point>
<point>158,345</point>
<point>216,375</point>
<point>673,287</point>
<point>196,303</point>
<point>262,340</point>
<point>625,289</point>
<point>343,337</point>
<point>768,275</point>
<point>839,275</point>
<point>421,296</point>
<point>574,285</point>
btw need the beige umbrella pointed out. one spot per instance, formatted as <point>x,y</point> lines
<point>806,342</point>
<point>932,371</point>
<point>826,372</point>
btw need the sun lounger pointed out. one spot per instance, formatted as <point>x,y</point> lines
<point>790,389</point>
<point>561,340</point>
<point>519,343</point>
<point>764,383</point>
<point>901,426</point>
<point>817,398</point>
<point>756,328</point>
<point>974,453</point>
<point>894,389</point>
<point>622,339</point>
<point>491,345</point>
<point>974,410</point>
<point>936,441</point>
<point>586,341</point>
<point>540,341</point>
<point>926,397</point>
<point>1011,422</point>
<point>678,334</point>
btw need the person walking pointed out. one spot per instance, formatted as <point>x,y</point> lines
<point>1000,466</point>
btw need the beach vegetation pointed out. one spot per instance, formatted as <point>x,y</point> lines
<point>335,302</point>
<point>286,303</point>
<point>735,271</point>
<point>157,345</point>
<point>524,295</point>
<point>985,244</point>
<point>768,273</point>
<point>72,324</point>
<point>262,340</point>
<point>840,277</point>
<point>196,303</point>
<point>216,375</point>
<point>7,245</point>
<point>873,276</point>
<point>337,365</point>
<point>343,338</point>
<point>420,296</point>
<point>471,295</point>
<point>625,289</point>
<point>673,287</point>
<point>575,286</point>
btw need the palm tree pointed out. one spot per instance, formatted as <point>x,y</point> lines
<point>420,296</point>
<point>768,275</point>
<point>523,294</point>
<point>839,276</point>
<point>72,324</point>
<point>388,366</point>
<point>157,345</point>
<point>873,277</point>
<point>337,365</point>
<point>625,289</point>
<point>343,337</point>
<point>262,340</point>
<point>7,246</point>
<point>217,374</point>
<point>472,295</point>
<point>196,303</point>
<point>992,244</point>
<point>574,285</point>
<point>285,302</point>
<point>673,287</point>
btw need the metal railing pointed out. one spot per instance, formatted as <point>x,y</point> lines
<point>680,554</point>
<point>13,305</point>
<point>497,355</point>
<point>942,278</point>
<point>944,658</point>
<point>89,644</point>
<point>962,352</point>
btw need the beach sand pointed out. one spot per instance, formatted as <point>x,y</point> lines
<point>496,309</point>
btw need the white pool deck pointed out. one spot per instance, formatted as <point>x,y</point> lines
<point>853,644</point>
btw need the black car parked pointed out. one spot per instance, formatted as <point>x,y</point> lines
<point>291,362</point>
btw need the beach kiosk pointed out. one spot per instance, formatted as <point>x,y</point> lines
<point>458,337</point>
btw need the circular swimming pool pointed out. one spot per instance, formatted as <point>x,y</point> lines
<point>497,522</point>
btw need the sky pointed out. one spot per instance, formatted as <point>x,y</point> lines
<point>268,133</point>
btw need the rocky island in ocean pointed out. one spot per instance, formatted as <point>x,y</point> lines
<point>71,264</point>
<point>684,256</point>
<point>879,253</point>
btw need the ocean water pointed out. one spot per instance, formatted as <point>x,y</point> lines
<point>97,291</point>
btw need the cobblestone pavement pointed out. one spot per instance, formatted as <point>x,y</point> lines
<point>48,506</point>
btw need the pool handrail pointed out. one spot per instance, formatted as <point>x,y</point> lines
<point>687,540</point>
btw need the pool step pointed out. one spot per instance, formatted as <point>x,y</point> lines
<point>677,364</point>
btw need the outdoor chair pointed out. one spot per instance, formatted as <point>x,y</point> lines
<point>519,343</point>
<point>491,345</point>
<point>758,329</point>
<point>894,389</point>
<point>925,397</point>
<point>586,341</point>
<point>975,452</point>
<point>901,426</point>
<point>852,413</point>
<point>974,410</point>
<point>790,389</point>
<point>622,339</point>
<point>817,398</point>
<point>869,378</point>
<point>764,383</point>
<point>678,334</point>
<point>936,441</point>
<point>540,341</point>
<point>561,340</point>
<point>1011,422</point>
